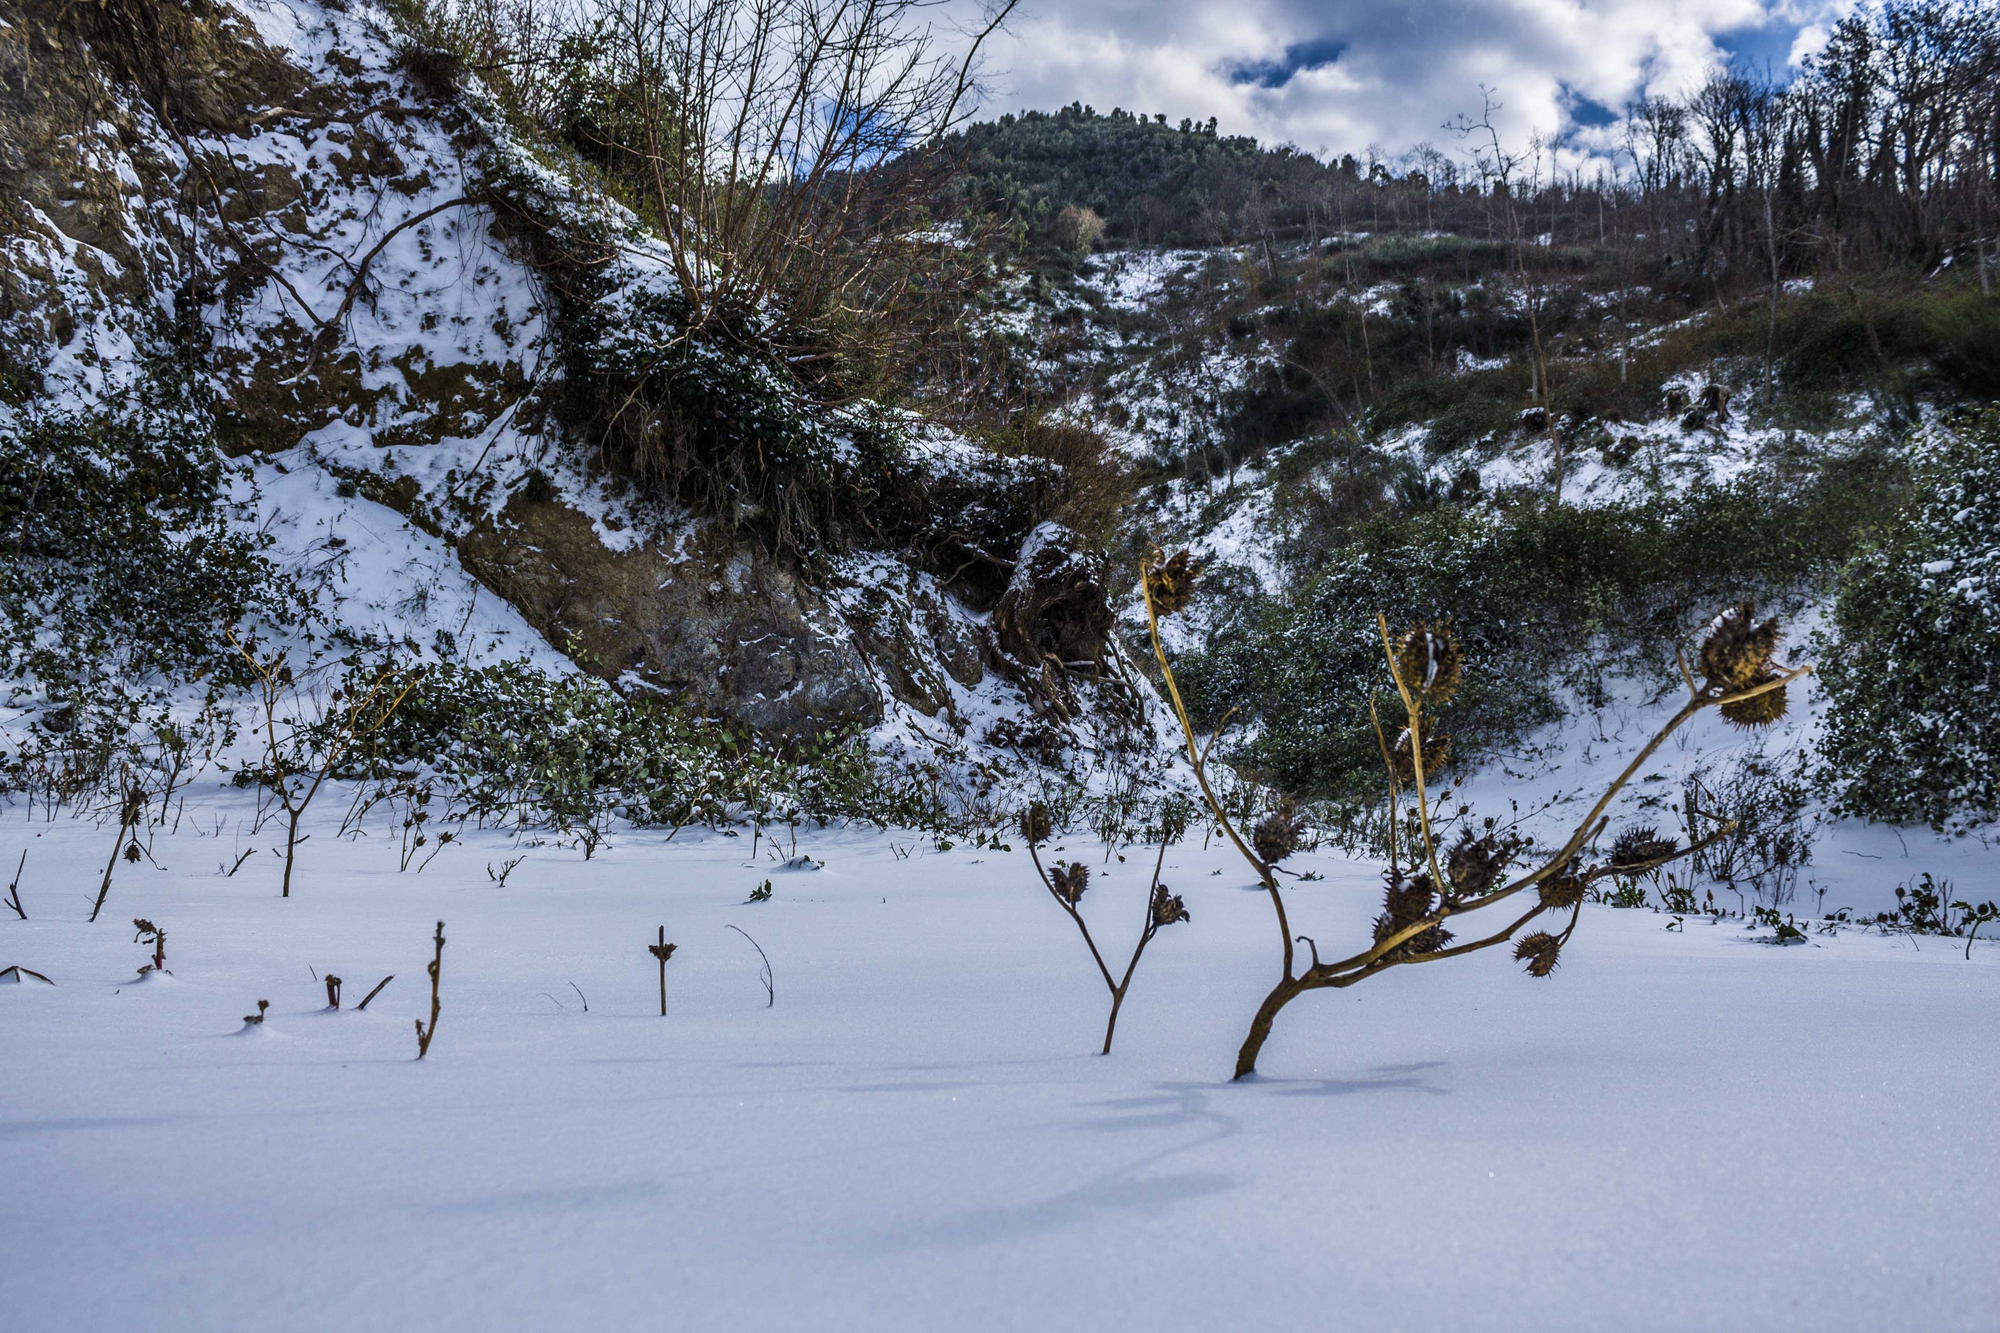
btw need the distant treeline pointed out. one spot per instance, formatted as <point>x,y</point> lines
<point>1883,152</point>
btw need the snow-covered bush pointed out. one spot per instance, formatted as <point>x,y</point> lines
<point>514,744</point>
<point>1912,673</point>
<point>119,562</point>
<point>1545,596</point>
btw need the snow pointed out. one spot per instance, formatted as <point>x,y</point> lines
<point>1676,1131</point>
<point>1136,280</point>
<point>375,573</point>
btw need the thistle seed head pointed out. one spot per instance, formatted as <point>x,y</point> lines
<point>1736,652</point>
<point>1035,824</point>
<point>1759,710</point>
<point>1437,753</point>
<point>1428,662</point>
<point>1541,951</point>
<point>1406,900</point>
<point>1638,846</point>
<point>1167,907</point>
<point>1070,880</point>
<point>1170,583</point>
<point>1476,863</point>
<point>1560,892</point>
<point>1277,834</point>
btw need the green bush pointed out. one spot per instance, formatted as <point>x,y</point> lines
<point>1540,596</point>
<point>1911,668</point>
<point>119,568</point>
<point>514,745</point>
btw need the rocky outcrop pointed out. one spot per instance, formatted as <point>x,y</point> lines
<point>706,618</point>
<point>1054,621</point>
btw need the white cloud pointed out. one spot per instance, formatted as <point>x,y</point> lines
<point>1402,69</point>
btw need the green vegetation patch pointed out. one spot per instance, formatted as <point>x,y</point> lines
<point>1541,596</point>
<point>1911,668</point>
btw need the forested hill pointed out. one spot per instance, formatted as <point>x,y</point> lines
<point>1149,182</point>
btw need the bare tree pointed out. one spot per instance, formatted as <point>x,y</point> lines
<point>760,132</point>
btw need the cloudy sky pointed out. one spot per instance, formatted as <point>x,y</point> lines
<point>1335,76</point>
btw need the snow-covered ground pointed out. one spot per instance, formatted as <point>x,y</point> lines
<point>1677,1131</point>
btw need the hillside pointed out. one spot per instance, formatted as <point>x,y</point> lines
<point>397,324</point>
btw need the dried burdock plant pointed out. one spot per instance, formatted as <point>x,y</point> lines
<point>1170,584</point>
<point>424,1034</point>
<point>662,951</point>
<point>256,1019</point>
<point>1066,882</point>
<point>1277,834</point>
<point>1426,665</point>
<point>332,991</point>
<point>148,933</point>
<point>318,734</point>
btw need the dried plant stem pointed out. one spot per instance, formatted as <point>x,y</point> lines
<point>372,994</point>
<point>1198,757</point>
<point>14,888</point>
<point>1414,708</point>
<point>1123,985</point>
<point>424,1034</point>
<point>131,809</point>
<point>767,976</point>
<point>1074,915</point>
<point>662,951</point>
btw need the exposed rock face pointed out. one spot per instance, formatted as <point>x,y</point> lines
<point>917,639</point>
<point>715,623</point>
<point>1054,619</point>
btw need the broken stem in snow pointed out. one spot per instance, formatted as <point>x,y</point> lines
<point>424,1034</point>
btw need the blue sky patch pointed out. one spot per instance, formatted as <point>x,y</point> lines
<point>1301,56</point>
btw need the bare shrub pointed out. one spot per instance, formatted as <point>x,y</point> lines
<point>1426,666</point>
<point>1067,881</point>
<point>307,734</point>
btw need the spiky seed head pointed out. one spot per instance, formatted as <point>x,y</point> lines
<point>1541,951</point>
<point>1406,900</point>
<point>1167,907</point>
<point>1070,879</point>
<point>1640,845</point>
<point>1560,892</point>
<point>1277,834</point>
<point>1759,710</point>
<point>1437,753</point>
<point>1428,662</point>
<point>1170,583</point>
<point>1476,863</point>
<point>1035,824</point>
<point>1736,652</point>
